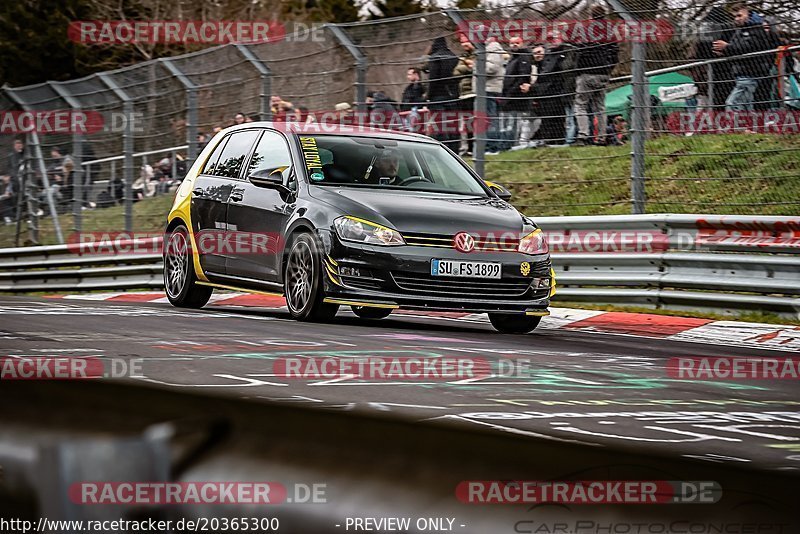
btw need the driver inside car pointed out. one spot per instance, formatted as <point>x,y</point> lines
<point>385,168</point>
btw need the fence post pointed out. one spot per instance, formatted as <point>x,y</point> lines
<point>77,153</point>
<point>37,155</point>
<point>779,81</point>
<point>127,146</point>
<point>265,74</point>
<point>639,110</point>
<point>710,77</point>
<point>479,108</point>
<point>361,64</point>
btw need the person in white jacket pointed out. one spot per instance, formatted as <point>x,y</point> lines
<point>495,71</point>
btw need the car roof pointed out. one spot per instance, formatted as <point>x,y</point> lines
<point>332,129</point>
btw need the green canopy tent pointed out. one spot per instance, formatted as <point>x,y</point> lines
<point>618,101</point>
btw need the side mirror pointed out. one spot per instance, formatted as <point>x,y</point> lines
<point>498,190</point>
<point>271,178</point>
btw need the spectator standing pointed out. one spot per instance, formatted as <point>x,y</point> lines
<point>748,37</point>
<point>59,175</point>
<point>414,92</point>
<point>202,141</point>
<point>530,123</point>
<point>517,88</point>
<point>7,199</point>
<point>382,110</point>
<point>553,89</point>
<point>442,88</point>
<point>495,70</point>
<point>767,92</point>
<point>15,160</point>
<point>716,25</point>
<point>466,99</point>
<point>595,62</point>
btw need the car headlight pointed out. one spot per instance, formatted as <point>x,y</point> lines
<point>354,229</point>
<point>534,243</point>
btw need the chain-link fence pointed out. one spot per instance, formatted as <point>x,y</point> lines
<point>578,108</point>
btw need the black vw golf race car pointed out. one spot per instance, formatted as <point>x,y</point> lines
<point>371,219</point>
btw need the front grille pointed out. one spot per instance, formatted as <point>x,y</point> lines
<point>429,240</point>
<point>427,285</point>
<point>490,242</point>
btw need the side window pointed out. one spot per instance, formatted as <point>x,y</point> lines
<point>211,162</point>
<point>271,152</point>
<point>232,158</point>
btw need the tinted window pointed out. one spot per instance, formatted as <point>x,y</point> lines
<point>211,163</point>
<point>395,164</point>
<point>232,158</point>
<point>272,152</point>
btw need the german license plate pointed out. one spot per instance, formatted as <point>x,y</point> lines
<point>465,269</point>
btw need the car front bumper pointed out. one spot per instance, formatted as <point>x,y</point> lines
<point>400,277</point>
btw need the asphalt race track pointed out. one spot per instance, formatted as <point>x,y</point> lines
<point>611,391</point>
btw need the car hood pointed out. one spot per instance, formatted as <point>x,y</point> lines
<point>423,212</point>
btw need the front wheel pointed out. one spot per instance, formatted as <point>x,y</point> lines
<point>368,312</point>
<point>302,281</point>
<point>514,323</point>
<point>180,281</point>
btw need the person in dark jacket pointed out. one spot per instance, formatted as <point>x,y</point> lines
<point>594,66</point>
<point>767,92</point>
<point>552,91</point>
<point>382,110</point>
<point>443,89</point>
<point>748,37</point>
<point>15,159</point>
<point>517,87</point>
<point>716,25</point>
<point>414,93</point>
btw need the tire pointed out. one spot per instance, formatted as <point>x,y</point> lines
<point>180,280</point>
<point>514,323</point>
<point>302,282</point>
<point>366,312</point>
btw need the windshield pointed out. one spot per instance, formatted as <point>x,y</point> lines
<point>385,163</point>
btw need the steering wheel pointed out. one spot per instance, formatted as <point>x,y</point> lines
<point>413,179</point>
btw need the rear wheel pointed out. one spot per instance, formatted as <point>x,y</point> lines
<point>368,312</point>
<point>180,281</point>
<point>302,281</point>
<point>514,323</point>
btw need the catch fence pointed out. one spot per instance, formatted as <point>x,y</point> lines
<point>672,144</point>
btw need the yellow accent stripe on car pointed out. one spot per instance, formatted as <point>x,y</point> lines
<point>358,303</point>
<point>357,219</point>
<point>537,231</point>
<point>244,289</point>
<point>334,280</point>
<point>333,262</point>
<point>552,282</point>
<point>542,313</point>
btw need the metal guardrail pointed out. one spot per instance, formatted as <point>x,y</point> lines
<point>384,465</point>
<point>714,263</point>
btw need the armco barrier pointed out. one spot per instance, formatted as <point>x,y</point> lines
<point>713,263</point>
<point>371,464</point>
